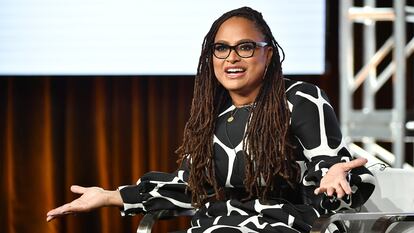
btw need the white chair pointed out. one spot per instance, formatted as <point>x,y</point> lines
<point>390,208</point>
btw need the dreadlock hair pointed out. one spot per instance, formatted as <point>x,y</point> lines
<point>266,146</point>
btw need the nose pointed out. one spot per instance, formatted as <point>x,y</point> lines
<point>233,56</point>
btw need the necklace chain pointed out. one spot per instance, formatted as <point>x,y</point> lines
<point>234,111</point>
<point>228,138</point>
<point>244,105</point>
<point>230,119</point>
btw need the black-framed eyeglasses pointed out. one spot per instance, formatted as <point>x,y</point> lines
<point>243,49</point>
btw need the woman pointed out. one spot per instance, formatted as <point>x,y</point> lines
<point>260,153</point>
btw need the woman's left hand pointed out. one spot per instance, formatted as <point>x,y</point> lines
<point>335,179</point>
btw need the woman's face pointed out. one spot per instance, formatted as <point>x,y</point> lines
<point>242,77</point>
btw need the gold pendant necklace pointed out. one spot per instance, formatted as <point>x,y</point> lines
<point>230,119</point>
<point>232,114</point>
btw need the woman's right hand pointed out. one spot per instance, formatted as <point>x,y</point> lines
<point>92,198</point>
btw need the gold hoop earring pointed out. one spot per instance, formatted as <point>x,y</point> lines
<point>265,72</point>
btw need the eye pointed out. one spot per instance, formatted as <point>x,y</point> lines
<point>221,47</point>
<point>246,46</point>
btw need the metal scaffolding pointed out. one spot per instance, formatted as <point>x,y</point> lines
<point>367,126</point>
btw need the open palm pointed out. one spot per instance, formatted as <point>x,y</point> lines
<point>91,198</point>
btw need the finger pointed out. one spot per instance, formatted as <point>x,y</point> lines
<point>339,191</point>
<point>59,210</point>
<point>355,163</point>
<point>67,208</point>
<point>330,191</point>
<point>77,189</point>
<point>54,211</point>
<point>49,218</point>
<point>320,190</point>
<point>346,187</point>
<point>55,215</point>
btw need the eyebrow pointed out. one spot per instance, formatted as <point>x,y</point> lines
<point>237,42</point>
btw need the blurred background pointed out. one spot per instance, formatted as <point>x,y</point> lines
<point>97,93</point>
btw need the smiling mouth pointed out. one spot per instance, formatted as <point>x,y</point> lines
<point>234,70</point>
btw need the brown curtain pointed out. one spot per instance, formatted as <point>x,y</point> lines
<point>90,131</point>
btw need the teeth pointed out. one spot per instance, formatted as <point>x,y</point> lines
<point>235,70</point>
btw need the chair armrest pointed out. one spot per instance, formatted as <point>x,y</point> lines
<point>149,218</point>
<point>382,220</point>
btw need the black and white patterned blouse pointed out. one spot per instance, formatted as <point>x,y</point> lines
<point>319,145</point>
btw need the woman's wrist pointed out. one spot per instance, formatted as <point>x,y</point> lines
<point>113,198</point>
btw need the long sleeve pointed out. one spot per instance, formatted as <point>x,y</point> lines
<point>157,191</point>
<point>315,127</point>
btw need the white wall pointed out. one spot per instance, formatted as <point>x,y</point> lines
<point>136,37</point>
